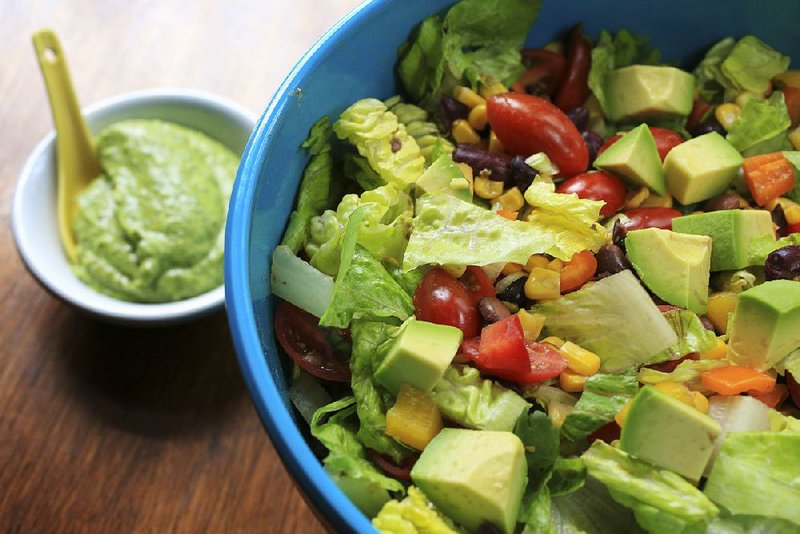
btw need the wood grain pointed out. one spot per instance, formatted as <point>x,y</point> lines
<point>108,429</point>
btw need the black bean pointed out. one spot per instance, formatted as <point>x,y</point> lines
<point>611,259</point>
<point>707,126</point>
<point>480,159</point>
<point>779,220</point>
<point>783,264</point>
<point>522,174</point>
<point>515,293</point>
<point>579,117</point>
<point>452,110</point>
<point>488,528</point>
<point>593,143</point>
<point>492,310</point>
<point>726,201</point>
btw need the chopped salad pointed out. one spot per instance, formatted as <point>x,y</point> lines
<point>553,289</point>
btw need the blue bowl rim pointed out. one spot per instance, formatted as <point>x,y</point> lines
<point>335,508</point>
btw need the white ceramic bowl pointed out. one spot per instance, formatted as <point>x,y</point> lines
<point>34,219</point>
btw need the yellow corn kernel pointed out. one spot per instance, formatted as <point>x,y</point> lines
<point>463,132</point>
<point>677,390</point>
<point>727,114</point>
<point>557,342</point>
<point>580,360</point>
<point>536,260</point>
<point>557,412</point>
<point>791,210</point>
<point>556,265</point>
<point>657,201</point>
<point>719,306</point>
<point>495,146</point>
<point>623,413</point>
<point>466,170</point>
<point>744,97</point>
<point>468,97</point>
<point>543,284</point>
<point>477,117</point>
<point>571,382</point>
<point>700,401</point>
<point>635,200</point>
<point>488,189</point>
<point>717,352</point>
<point>532,324</point>
<point>511,200</point>
<point>511,268</point>
<point>792,214</point>
<point>491,89</point>
<point>414,419</point>
<point>790,78</point>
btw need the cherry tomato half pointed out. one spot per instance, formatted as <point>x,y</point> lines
<point>477,283</point>
<point>793,228</point>
<point>402,471</point>
<point>649,218</point>
<point>700,109</point>
<point>502,347</point>
<point>441,299</point>
<point>597,185</point>
<point>546,363</point>
<point>665,139</point>
<point>306,343</point>
<point>526,124</point>
<point>608,433</point>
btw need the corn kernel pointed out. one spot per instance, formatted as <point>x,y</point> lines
<point>466,170</point>
<point>727,114</point>
<point>744,97</point>
<point>468,97</point>
<point>543,284</point>
<point>700,401</point>
<point>532,324</point>
<point>720,305</point>
<point>790,78</point>
<point>511,268</point>
<point>635,199</point>
<point>477,117</point>
<point>414,419</point>
<point>511,200</point>
<point>463,132</point>
<point>580,360</point>
<point>657,201</point>
<point>488,189</point>
<point>491,89</point>
<point>556,265</point>
<point>677,390</point>
<point>717,352</point>
<point>557,412</point>
<point>623,413</point>
<point>536,260</point>
<point>792,214</point>
<point>495,146</point>
<point>557,342</point>
<point>571,382</point>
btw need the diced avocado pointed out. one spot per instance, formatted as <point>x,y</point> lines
<point>474,476</point>
<point>731,232</point>
<point>668,433</point>
<point>674,266</point>
<point>366,494</point>
<point>419,356</point>
<point>444,175</point>
<point>642,92</point>
<point>701,168</point>
<point>766,324</point>
<point>635,158</point>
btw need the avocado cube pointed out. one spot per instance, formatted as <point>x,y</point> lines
<point>731,232</point>
<point>674,266</point>
<point>766,324</point>
<point>701,168</point>
<point>668,433</point>
<point>419,356</point>
<point>474,476</point>
<point>634,157</point>
<point>642,92</point>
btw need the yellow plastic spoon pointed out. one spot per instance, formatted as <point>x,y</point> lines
<point>77,163</point>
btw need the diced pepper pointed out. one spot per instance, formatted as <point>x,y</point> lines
<point>577,271</point>
<point>719,306</point>
<point>414,419</point>
<point>768,176</point>
<point>717,352</point>
<point>736,379</point>
<point>512,215</point>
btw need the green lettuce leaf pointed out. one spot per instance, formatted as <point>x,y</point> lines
<point>614,52</point>
<point>794,158</point>
<point>536,508</point>
<point>661,500</point>
<point>569,475</point>
<point>294,280</point>
<point>692,335</point>
<point>751,65</point>
<point>571,210</point>
<point>414,514</point>
<point>748,524</point>
<point>686,371</point>
<point>363,288</point>
<point>760,247</point>
<point>347,461</point>
<point>449,231</point>
<point>760,122</point>
<point>591,510</point>
<point>757,473</point>
<point>603,396</point>
<point>541,441</point>
<point>421,65</point>
<point>474,402</point>
<point>382,140</point>
<point>734,281</point>
<point>779,422</point>
<point>358,168</point>
<point>709,79</point>
<point>790,363</point>
<point>408,280</point>
<point>430,140</point>
<point>314,187</point>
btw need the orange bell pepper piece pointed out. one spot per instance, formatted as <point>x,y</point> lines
<point>508,214</point>
<point>577,271</point>
<point>768,176</point>
<point>773,398</point>
<point>736,379</point>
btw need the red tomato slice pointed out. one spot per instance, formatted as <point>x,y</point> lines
<point>470,351</point>
<point>441,299</point>
<point>649,218</point>
<point>699,110</point>
<point>477,283</point>
<point>545,363</point>
<point>306,343</point>
<point>502,347</point>
<point>597,185</point>
<point>793,228</point>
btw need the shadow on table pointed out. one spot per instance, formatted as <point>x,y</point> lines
<point>161,382</point>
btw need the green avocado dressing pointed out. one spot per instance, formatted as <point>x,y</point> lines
<point>151,227</point>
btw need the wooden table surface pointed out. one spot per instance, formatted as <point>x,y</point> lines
<point>108,429</point>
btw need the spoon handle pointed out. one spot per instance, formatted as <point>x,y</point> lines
<point>77,163</point>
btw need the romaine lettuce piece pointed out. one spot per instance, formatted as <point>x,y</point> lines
<point>760,122</point>
<point>661,500</point>
<point>541,441</point>
<point>414,514</point>
<point>686,371</point>
<point>760,247</point>
<point>709,79</point>
<point>449,231</point>
<point>615,318</point>
<point>757,473</point>
<point>790,363</point>
<point>295,281</point>
<point>432,143</point>
<point>779,422</point>
<point>591,510</point>
<point>692,335</point>
<point>475,402</point>
<point>603,396</point>
<point>568,208</point>
<point>748,524</point>
<point>568,476</point>
<point>751,65</point>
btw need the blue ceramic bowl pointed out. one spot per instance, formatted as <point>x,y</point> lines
<point>355,60</point>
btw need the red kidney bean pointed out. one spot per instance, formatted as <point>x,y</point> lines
<point>479,159</point>
<point>579,117</point>
<point>639,218</point>
<point>783,264</point>
<point>611,259</point>
<point>492,310</point>
<point>707,324</point>
<point>452,110</point>
<point>726,201</point>
<point>593,143</point>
